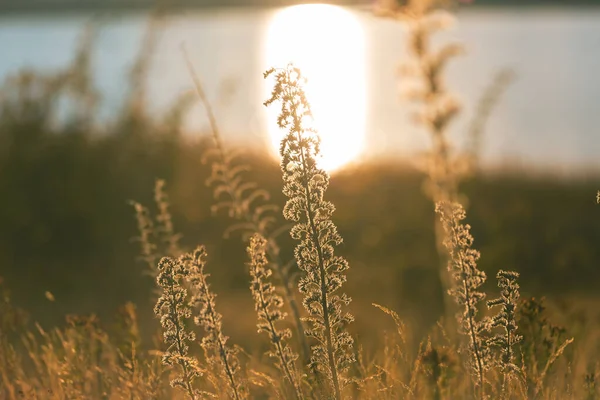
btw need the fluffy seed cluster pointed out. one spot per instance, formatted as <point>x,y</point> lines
<point>304,185</point>
<point>173,309</point>
<point>505,320</point>
<point>268,306</point>
<point>214,343</point>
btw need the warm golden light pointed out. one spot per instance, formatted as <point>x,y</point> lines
<point>327,43</point>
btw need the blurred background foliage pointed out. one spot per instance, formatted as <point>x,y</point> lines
<point>66,226</point>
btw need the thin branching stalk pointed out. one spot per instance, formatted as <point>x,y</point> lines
<point>240,194</point>
<point>146,238</point>
<point>485,106</point>
<point>214,343</point>
<point>505,320</point>
<point>304,185</point>
<point>173,310</point>
<point>462,266</point>
<point>551,360</point>
<point>157,235</point>
<point>164,221</point>
<point>438,107</point>
<point>268,307</point>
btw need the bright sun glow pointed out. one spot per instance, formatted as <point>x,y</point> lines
<point>327,44</point>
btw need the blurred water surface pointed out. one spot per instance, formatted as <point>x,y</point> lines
<point>549,117</point>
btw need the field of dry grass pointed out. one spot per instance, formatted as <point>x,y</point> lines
<point>248,280</point>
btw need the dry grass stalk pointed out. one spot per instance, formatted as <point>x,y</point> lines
<point>173,309</point>
<point>220,356</point>
<point>505,320</point>
<point>468,279</point>
<point>268,306</point>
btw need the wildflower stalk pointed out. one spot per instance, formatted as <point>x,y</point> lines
<point>146,238</point>
<point>214,342</point>
<point>252,221</point>
<point>172,309</point>
<point>468,279</point>
<point>505,319</point>
<point>439,107</point>
<point>164,221</point>
<point>304,185</point>
<point>155,233</point>
<point>485,106</point>
<point>268,306</point>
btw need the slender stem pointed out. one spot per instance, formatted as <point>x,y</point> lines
<point>175,320</point>
<point>277,341</point>
<point>471,323</point>
<point>510,357</point>
<point>222,351</point>
<point>474,339</point>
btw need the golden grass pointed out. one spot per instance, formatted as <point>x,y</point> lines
<point>516,352</point>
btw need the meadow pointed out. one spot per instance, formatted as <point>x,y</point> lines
<point>138,262</point>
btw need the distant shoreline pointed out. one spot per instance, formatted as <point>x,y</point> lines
<point>42,7</point>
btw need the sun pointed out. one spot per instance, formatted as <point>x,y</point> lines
<point>327,43</point>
